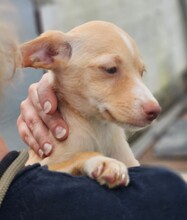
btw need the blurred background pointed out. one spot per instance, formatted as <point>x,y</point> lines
<point>160,31</point>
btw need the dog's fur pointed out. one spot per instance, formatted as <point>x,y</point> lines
<point>96,72</point>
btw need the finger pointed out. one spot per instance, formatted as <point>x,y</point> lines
<point>46,95</point>
<point>56,125</point>
<point>36,127</point>
<point>27,137</point>
<point>33,96</point>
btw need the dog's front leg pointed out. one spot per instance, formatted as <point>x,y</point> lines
<point>123,153</point>
<point>105,170</point>
<point>75,165</point>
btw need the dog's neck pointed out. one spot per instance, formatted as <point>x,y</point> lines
<point>95,134</point>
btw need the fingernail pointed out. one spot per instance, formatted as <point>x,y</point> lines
<point>47,148</point>
<point>41,153</point>
<point>60,132</point>
<point>47,107</point>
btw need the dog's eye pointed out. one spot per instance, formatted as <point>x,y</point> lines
<point>111,70</point>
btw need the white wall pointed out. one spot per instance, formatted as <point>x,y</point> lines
<point>156,25</point>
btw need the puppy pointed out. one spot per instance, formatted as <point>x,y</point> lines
<point>96,72</point>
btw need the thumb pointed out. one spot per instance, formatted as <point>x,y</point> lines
<point>46,95</point>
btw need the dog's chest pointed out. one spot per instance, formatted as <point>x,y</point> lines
<point>104,138</point>
<point>88,135</point>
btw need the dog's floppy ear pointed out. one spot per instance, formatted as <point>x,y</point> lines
<point>49,51</point>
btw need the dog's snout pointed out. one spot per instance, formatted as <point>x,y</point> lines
<point>151,110</point>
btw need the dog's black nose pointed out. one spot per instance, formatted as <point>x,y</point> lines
<point>151,110</point>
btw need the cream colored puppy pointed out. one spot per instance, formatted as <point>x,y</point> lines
<point>96,72</point>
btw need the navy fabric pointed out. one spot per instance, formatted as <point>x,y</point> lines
<point>39,194</point>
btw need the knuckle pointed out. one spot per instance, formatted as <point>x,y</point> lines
<point>41,142</point>
<point>41,136</point>
<point>23,134</point>
<point>22,105</point>
<point>32,88</point>
<point>51,125</point>
<point>32,122</point>
<point>25,137</point>
<point>18,122</point>
<point>20,126</point>
<point>31,143</point>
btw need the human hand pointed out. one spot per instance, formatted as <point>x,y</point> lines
<point>39,117</point>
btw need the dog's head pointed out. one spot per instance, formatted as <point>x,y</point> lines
<point>97,71</point>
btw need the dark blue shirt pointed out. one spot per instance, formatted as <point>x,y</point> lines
<point>39,194</point>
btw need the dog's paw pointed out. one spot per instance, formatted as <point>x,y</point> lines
<point>107,171</point>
